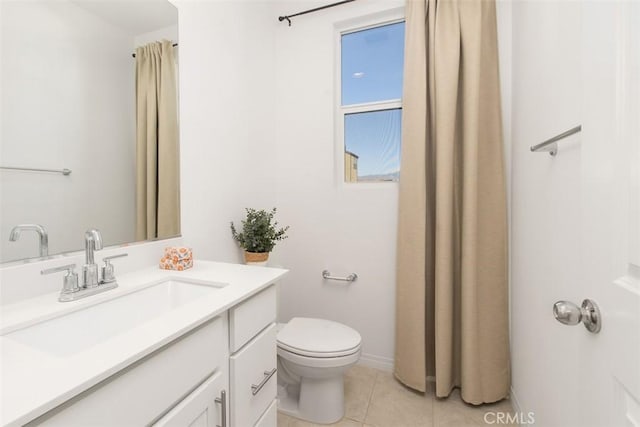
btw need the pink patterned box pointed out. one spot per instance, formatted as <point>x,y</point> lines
<point>177,258</point>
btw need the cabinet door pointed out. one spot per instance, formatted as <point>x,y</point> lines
<point>200,408</point>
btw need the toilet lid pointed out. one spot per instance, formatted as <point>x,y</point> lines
<point>318,337</point>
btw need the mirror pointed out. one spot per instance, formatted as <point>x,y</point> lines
<point>78,132</point>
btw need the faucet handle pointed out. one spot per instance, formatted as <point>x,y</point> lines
<point>107,269</point>
<point>68,268</point>
<point>70,280</point>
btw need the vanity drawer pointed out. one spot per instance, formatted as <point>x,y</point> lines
<point>250,317</point>
<point>270,416</point>
<point>253,381</point>
<point>143,391</point>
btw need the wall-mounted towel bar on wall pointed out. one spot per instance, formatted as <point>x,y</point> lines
<point>350,278</point>
<point>551,145</point>
<point>62,171</point>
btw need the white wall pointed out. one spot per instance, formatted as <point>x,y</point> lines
<point>227,116</point>
<point>165,33</point>
<point>342,228</point>
<point>545,208</point>
<point>62,108</point>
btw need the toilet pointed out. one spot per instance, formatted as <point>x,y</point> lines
<point>313,355</point>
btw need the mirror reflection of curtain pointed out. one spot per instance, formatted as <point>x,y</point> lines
<point>157,155</point>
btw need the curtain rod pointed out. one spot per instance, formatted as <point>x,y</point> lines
<point>174,45</point>
<point>282,18</point>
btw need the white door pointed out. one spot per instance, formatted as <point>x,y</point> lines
<point>609,362</point>
<point>204,407</point>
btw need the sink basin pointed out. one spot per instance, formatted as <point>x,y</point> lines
<point>82,329</point>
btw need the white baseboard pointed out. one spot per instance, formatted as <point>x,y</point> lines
<point>377,362</point>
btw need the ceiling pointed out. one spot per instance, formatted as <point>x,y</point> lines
<point>133,16</point>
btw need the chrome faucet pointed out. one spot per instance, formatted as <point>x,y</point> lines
<point>91,283</point>
<point>42,232</point>
<point>92,242</point>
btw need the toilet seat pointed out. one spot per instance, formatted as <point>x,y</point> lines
<point>318,338</point>
<point>312,354</point>
<point>319,362</point>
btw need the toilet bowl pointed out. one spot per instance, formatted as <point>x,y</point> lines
<point>313,355</point>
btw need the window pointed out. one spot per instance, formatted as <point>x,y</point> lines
<point>371,62</point>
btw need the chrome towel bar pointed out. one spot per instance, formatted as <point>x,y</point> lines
<point>62,171</point>
<point>551,145</point>
<point>350,278</point>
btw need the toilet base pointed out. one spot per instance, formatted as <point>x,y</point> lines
<point>319,401</point>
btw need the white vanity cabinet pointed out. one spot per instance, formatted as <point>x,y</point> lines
<point>221,373</point>
<point>252,388</point>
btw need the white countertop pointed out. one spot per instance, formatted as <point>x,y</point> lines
<point>34,382</point>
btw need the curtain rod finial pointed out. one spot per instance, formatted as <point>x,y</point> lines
<point>282,18</point>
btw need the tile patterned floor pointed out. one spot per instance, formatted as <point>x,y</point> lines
<point>374,398</point>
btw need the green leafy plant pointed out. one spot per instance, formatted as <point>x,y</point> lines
<point>259,231</point>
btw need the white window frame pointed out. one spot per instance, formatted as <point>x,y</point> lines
<point>392,16</point>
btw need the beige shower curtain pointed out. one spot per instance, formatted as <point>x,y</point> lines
<point>157,161</point>
<point>452,289</point>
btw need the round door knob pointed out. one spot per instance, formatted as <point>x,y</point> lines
<point>569,313</point>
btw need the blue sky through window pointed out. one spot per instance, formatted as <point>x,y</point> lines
<point>372,62</point>
<point>375,138</point>
<point>372,69</point>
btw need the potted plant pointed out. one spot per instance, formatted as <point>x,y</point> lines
<point>259,235</point>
